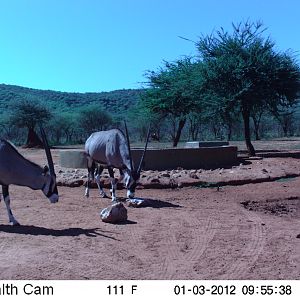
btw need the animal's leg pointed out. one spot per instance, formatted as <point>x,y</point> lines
<point>113,184</point>
<point>11,217</point>
<point>97,179</point>
<point>91,168</point>
<point>121,178</point>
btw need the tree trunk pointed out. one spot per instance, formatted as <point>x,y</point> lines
<point>194,127</point>
<point>229,131</point>
<point>285,127</point>
<point>33,141</point>
<point>247,133</point>
<point>256,129</point>
<point>57,136</point>
<point>257,137</point>
<point>178,133</point>
<point>256,122</point>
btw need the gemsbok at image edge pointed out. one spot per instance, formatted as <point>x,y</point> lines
<point>17,170</point>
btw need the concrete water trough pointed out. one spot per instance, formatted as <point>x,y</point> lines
<point>199,144</point>
<point>165,159</point>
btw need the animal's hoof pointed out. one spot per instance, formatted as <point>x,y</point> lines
<point>87,192</point>
<point>15,224</point>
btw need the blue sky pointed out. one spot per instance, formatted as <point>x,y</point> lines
<point>104,45</point>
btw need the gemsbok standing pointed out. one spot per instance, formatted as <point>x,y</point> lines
<point>16,169</point>
<point>110,149</point>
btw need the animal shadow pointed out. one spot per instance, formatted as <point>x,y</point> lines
<point>153,203</point>
<point>127,222</point>
<point>36,230</point>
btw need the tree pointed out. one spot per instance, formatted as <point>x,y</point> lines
<point>62,125</point>
<point>140,118</point>
<point>28,113</point>
<point>221,115</point>
<point>285,116</point>
<point>7,128</point>
<point>256,115</point>
<point>92,118</point>
<point>172,93</point>
<point>244,72</point>
<point>195,120</point>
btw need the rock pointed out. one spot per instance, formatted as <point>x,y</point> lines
<point>173,183</point>
<point>165,175</point>
<point>114,213</point>
<point>194,175</point>
<point>71,182</point>
<point>177,175</point>
<point>154,180</point>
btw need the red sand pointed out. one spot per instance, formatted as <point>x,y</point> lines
<point>236,232</point>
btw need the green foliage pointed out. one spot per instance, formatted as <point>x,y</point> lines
<point>174,92</point>
<point>64,126</point>
<point>242,72</point>
<point>92,118</point>
<point>28,113</point>
<point>115,102</point>
<point>172,89</point>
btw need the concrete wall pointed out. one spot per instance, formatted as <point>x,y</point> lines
<point>72,159</point>
<point>194,158</point>
<point>163,159</point>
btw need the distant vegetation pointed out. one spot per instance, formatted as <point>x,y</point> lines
<point>238,87</point>
<point>115,102</point>
<point>71,116</point>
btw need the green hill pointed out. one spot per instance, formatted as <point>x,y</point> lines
<point>115,102</point>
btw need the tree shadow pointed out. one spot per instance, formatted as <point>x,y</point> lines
<point>36,230</point>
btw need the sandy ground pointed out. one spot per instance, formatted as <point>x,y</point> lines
<point>248,231</point>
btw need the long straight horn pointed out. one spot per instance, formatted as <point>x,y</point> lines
<point>144,152</point>
<point>128,144</point>
<point>47,150</point>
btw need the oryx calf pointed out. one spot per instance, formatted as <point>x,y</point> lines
<point>16,169</point>
<point>110,149</point>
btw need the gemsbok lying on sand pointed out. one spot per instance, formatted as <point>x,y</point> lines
<point>16,169</point>
<point>110,149</point>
